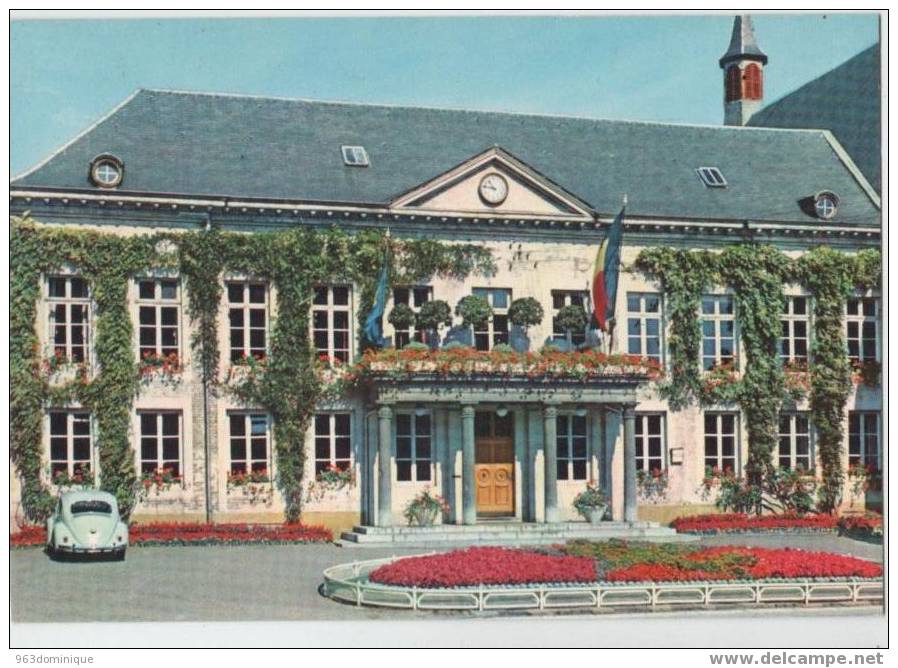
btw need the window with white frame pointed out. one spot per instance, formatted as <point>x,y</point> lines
<point>70,444</point>
<point>494,331</point>
<point>718,331</point>
<point>158,312</point>
<point>248,319</point>
<point>644,325</point>
<point>795,442</point>
<point>571,440</point>
<point>863,328</point>
<point>794,330</point>
<point>250,435</point>
<point>333,441</point>
<point>721,441</point>
<point>330,321</point>
<point>562,298</point>
<point>649,431</point>
<point>160,442</point>
<point>863,439</point>
<point>414,297</point>
<point>413,447</point>
<point>69,300</point>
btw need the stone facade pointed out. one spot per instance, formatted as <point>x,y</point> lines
<point>530,263</point>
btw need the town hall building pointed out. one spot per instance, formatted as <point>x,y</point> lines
<point>539,193</point>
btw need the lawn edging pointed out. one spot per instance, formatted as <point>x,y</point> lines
<point>348,583</point>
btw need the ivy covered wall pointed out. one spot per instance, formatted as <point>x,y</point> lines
<point>758,275</point>
<point>292,261</point>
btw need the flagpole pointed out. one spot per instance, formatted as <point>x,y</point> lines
<point>612,324</point>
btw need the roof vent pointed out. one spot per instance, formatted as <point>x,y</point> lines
<point>711,177</point>
<point>355,156</point>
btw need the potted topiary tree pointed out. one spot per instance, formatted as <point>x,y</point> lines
<point>474,311</point>
<point>524,312</point>
<point>571,318</point>
<point>591,504</point>
<point>401,317</point>
<point>431,316</point>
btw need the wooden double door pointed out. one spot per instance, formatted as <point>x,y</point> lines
<point>494,464</point>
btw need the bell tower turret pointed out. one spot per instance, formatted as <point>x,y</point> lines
<point>743,74</point>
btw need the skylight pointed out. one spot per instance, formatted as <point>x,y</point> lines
<point>355,156</point>
<point>711,177</point>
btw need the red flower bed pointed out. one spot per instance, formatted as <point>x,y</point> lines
<point>861,524</point>
<point>738,522</point>
<point>869,522</point>
<point>485,565</point>
<point>28,536</point>
<point>748,563</point>
<point>176,533</point>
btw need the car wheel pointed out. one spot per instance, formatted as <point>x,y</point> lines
<point>52,552</point>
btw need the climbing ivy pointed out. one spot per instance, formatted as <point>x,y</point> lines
<point>831,277</point>
<point>106,261</point>
<point>757,274</point>
<point>291,261</point>
<point>684,276</point>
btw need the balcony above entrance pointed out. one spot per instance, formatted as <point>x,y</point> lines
<point>586,376</point>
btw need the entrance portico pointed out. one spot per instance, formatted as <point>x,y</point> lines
<point>495,449</point>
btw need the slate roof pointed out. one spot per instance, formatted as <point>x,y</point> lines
<point>846,101</point>
<point>249,147</point>
<point>743,45</point>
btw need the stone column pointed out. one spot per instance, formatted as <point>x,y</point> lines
<point>469,485</point>
<point>385,472</point>
<point>550,448</point>
<point>630,513</point>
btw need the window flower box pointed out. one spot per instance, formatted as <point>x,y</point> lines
<point>57,369</point>
<point>330,480</point>
<point>166,368</point>
<point>157,482</point>
<point>80,478</point>
<point>255,487</point>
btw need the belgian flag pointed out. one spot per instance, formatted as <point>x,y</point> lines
<point>605,274</point>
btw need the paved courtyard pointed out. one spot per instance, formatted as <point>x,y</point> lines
<point>241,583</point>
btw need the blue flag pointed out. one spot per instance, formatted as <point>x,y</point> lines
<point>374,329</point>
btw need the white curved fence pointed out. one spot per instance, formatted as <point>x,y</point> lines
<point>349,583</point>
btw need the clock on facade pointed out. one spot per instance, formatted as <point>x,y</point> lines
<point>493,189</point>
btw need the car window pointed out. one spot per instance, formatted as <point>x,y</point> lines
<point>91,507</point>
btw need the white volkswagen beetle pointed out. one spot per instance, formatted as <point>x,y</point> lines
<point>87,523</point>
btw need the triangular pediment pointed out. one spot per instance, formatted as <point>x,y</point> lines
<point>493,183</point>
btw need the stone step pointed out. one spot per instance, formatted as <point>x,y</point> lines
<point>446,536</point>
<point>519,527</point>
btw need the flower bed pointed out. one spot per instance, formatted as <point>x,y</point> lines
<point>744,523</point>
<point>199,534</point>
<point>456,362</point>
<point>863,527</point>
<point>584,562</point>
<point>484,565</point>
<point>752,563</point>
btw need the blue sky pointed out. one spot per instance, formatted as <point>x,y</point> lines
<point>66,74</point>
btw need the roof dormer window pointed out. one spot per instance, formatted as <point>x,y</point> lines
<point>355,156</point>
<point>826,204</point>
<point>711,177</point>
<point>106,171</point>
